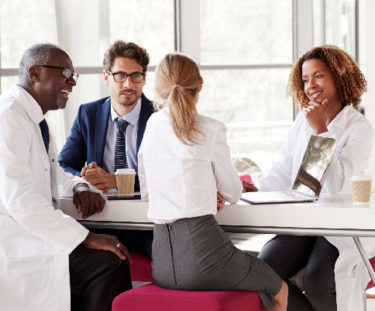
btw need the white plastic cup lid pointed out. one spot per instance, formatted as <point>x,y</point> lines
<point>361,177</point>
<point>123,171</point>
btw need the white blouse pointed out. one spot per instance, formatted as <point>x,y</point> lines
<point>354,136</point>
<point>182,181</point>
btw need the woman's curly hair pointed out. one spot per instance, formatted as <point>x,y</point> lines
<point>349,80</point>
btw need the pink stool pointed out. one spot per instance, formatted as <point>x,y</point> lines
<point>153,297</point>
<point>371,284</point>
<point>140,269</point>
<point>156,298</point>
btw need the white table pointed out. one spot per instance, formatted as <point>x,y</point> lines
<point>331,215</point>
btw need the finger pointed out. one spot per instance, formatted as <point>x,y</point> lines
<point>314,104</point>
<point>220,206</point>
<point>95,203</point>
<point>100,185</point>
<point>77,202</point>
<point>94,180</point>
<point>83,196</point>
<point>92,172</point>
<point>117,250</point>
<point>83,171</point>
<point>91,210</point>
<point>324,102</point>
<point>125,252</point>
<point>102,203</point>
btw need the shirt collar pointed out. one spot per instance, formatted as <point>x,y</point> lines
<point>30,105</point>
<point>132,117</point>
<point>339,117</point>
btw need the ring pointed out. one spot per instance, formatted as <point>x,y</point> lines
<point>118,245</point>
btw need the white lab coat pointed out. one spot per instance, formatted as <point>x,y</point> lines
<point>35,238</point>
<point>354,134</point>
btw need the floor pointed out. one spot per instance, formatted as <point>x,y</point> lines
<point>253,243</point>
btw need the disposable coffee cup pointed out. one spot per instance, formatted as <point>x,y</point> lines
<point>361,186</point>
<point>125,179</point>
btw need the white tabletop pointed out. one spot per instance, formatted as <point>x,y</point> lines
<point>331,215</point>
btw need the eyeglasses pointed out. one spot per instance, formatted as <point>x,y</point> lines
<point>67,72</point>
<point>136,77</point>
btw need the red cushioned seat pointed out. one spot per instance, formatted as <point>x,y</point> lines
<point>140,269</point>
<point>153,297</point>
<point>371,284</point>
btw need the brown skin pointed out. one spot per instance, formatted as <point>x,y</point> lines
<point>87,202</point>
<point>51,90</point>
<point>220,202</point>
<point>248,187</point>
<point>107,242</point>
<point>124,97</point>
<point>320,88</point>
<point>98,177</point>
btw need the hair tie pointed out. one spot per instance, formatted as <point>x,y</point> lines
<point>177,86</point>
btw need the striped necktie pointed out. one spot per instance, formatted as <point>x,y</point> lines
<point>120,146</point>
<point>45,133</point>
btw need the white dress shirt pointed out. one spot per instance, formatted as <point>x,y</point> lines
<point>35,238</point>
<point>181,181</point>
<point>131,134</point>
<point>354,135</point>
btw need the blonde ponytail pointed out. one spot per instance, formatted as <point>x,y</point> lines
<point>177,82</point>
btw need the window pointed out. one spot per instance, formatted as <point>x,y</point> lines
<point>245,50</point>
<point>247,55</point>
<point>148,23</point>
<point>22,24</point>
<point>255,32</point>
<point>335,23</point>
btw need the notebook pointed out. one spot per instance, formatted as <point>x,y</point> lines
<point>310,177</point>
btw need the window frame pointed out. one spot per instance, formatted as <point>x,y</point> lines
<point>187,37</point>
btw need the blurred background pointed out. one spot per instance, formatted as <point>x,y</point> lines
<point>245,49</point>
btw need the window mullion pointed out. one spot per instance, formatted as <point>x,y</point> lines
<point>190,28</point>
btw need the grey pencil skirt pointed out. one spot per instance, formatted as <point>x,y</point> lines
<point>195,254</point>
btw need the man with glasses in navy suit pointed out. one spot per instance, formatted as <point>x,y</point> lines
<point>89,151</point>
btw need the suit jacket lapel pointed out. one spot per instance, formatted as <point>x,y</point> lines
<point>101,125</point>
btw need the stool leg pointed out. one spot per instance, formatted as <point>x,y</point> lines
<point>364,301</point>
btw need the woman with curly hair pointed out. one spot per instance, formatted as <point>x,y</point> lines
<point>327,84</point>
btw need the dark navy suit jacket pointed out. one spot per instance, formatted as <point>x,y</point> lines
<point>87,138</point>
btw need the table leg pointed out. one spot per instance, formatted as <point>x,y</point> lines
<point>365,258</point>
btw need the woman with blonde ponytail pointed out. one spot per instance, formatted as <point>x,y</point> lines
<point>186,173</point>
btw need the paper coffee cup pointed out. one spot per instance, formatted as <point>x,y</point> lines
<point>361,187</point>
<point>125,179</point>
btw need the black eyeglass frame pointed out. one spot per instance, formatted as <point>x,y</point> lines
<point>66,72</point>
<point>131,75</point>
